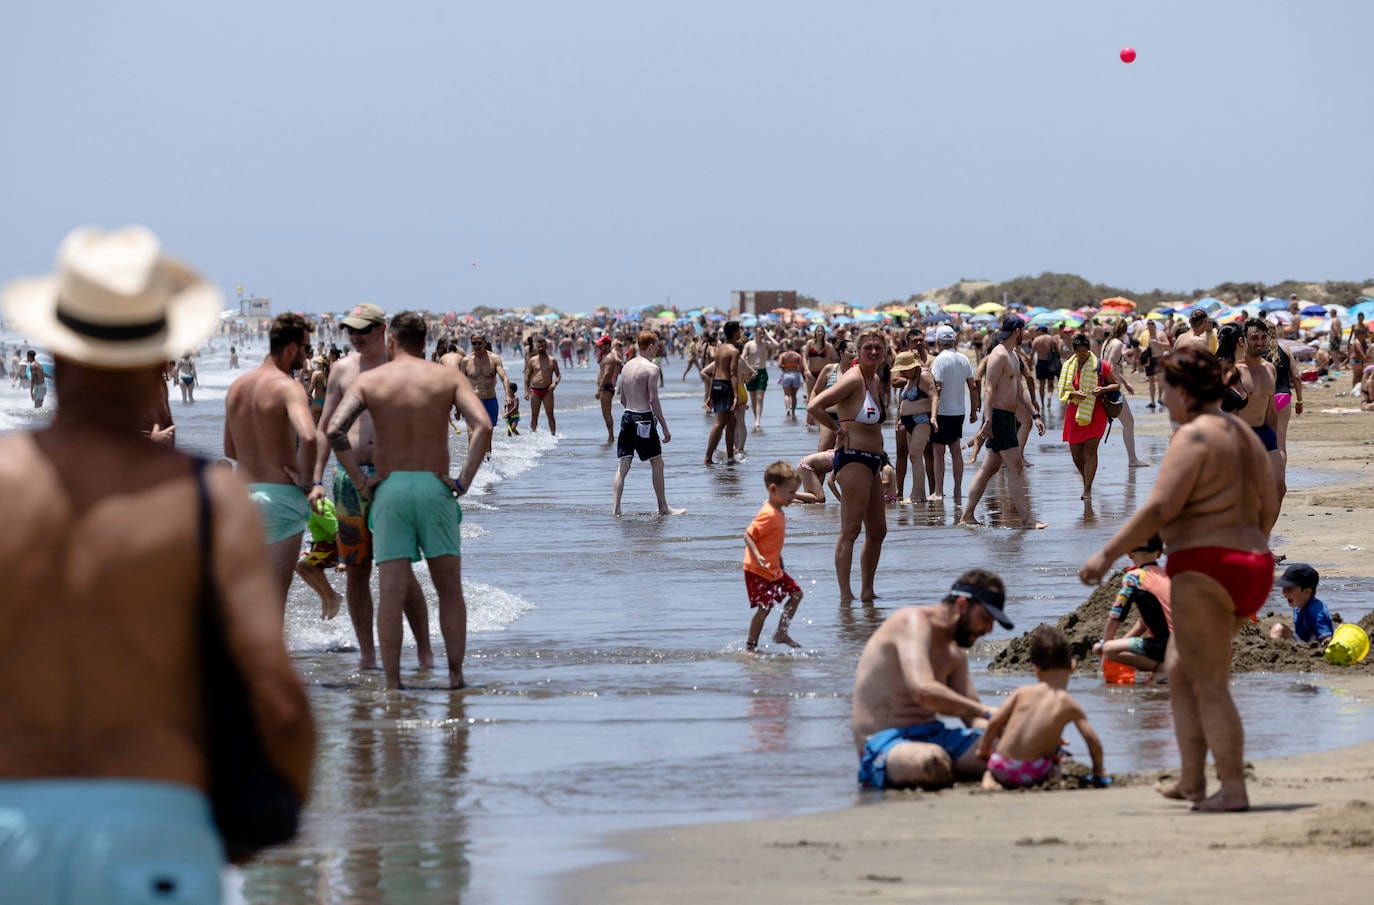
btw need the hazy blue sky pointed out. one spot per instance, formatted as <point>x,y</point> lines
<point>446,154</point>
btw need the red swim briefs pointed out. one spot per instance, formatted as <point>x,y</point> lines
<point>1246,576</point>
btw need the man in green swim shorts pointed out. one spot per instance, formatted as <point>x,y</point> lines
<point>268,430</point>
<point>415,509</point>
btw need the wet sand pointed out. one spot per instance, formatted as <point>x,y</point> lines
<point>1312,823</point>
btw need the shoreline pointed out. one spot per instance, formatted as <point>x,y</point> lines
<point>1312,815</point>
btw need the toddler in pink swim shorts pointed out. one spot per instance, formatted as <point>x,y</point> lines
<point>1021,744</point>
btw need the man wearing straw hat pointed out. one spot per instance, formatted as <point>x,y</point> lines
<point>103,751</point>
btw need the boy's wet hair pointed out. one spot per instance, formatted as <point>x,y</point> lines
<point>779,472</point>
<point>1049,648</point>
<point>514,387</point>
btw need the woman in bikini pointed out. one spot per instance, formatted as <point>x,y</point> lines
<point>1113,355</point>
<point>1213,498</point>
<point>860,411</point>
<point>915,409</point>
<point>790,362</point>
<point>824,381</point>
<point>819,353</point>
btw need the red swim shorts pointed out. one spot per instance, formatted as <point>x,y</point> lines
<point>1246,576</point>
<point>765,593</point>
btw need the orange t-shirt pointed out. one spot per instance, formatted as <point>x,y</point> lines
<point>767,530</point>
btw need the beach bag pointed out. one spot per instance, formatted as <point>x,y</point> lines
<point>1111,402</point>
<point>253,806</point>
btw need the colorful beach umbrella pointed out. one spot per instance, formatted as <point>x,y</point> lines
<point>988,308</point>
<point>958,308</point>
<point>1119,302</point>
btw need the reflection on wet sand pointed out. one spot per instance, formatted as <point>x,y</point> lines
<point>390,774</point>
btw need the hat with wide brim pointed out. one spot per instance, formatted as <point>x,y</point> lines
<point>115,301</point>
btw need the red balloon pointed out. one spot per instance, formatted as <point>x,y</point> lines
<point>1128,54</point>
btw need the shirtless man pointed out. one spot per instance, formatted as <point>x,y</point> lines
<point>1336,336</point>
<point>103,590</point>
<point>541,379</point>
<point>639,422</point>
<point>365,325</point>
<point>38,381</point>
<point>453,358</point>
<point>757,353</point>
<point>415,501</point>
<point>482,369</point>
<point>724,393</point>
<point>1257,379</point>
<point>608,372</point>
<point>913,670</point>
<point>1043,347</point>
<point>1004,391</point>
<point>1199,335</point>
<point>1158,345</point>
<point>269,432</point>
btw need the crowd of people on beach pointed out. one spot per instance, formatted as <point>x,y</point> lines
<point>160,536</point>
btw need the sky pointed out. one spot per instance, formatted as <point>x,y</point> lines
<point>446,155</point>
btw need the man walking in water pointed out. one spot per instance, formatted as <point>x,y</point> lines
<point>38,381</point>
<point>269,432</point>
<point>482,369</point>
<point>415,501</point>
<point>757,351</point>
<point>102,737</point>
<point>541,379</point>
<point>365,325</point>
<point>639,422</point>
<point>724,394</point>
<point>1004,391</point>
<point>608,372</point>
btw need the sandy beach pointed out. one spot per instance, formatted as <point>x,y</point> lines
<point>1312,823</point>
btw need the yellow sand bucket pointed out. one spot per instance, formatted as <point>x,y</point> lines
<point>1349,645</point>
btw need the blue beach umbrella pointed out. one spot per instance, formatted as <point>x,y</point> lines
<point>938,317</point>
<point>1273,304</point>
<point>1365,306</point>
<point>1209,303</point>
<point>1316,311</point>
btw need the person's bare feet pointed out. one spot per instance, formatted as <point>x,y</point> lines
<point>329,606</point>
<point>967,518</point>
<point>781,637</point>
<point>1139,463</point>
<point>990,783</point>
<point>1224,801</point>
<point>669,511</point>
<point>426,659</point>
<point>1173,790</point>
<point>935,497</point>
<point>455,679</point>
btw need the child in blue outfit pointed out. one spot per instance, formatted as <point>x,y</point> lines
<point>1311,621</point>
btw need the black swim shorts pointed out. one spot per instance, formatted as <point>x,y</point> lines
<point>638,436</point>
<point>722,397</point>
<point>1004,427</point>
<point>949,430</point>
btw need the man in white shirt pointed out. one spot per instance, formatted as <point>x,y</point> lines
<point>952,372</point>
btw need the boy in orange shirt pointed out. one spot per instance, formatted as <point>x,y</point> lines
<point>764,578</point>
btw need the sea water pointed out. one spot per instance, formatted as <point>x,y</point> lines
<point>610,687</point>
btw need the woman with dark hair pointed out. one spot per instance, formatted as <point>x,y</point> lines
<point>1233,397</point>
<point>1113,355</point>
<point>1211,504</point>
<point>1084,380</point>
<point>860,406</point>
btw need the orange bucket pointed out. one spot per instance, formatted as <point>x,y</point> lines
<point>1118,673</point>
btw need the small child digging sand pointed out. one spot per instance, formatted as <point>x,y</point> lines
<point>1021,743</point>
<point>764,578</point>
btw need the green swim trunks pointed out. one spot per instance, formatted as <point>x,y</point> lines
<point>758,382</point>
<point>414,511</point>
<point>283,508</point>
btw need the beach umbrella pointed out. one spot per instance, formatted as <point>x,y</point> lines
<point>1208,303</point>
<point>667,313</point>
<point>1271,304</point>
<point>1298,349</point>
<point>1314,311</point>
<point>958,308</point>
<point>1364,306</point>
<point>938,317</point>
<point>1118,302</point>
<point>715,318</point>
<point>1279,317</point>
<point>1072,320</point>
<point>1165,311</point>
<point>1319,326</point>
<point>1045,319</point>
<point>926,306</point>
<point>528,318</point>
<point>748,320</point>
<point>695,312</point>
<point>989,308</point>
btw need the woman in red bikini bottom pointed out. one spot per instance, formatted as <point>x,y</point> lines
<point>1211,503</point>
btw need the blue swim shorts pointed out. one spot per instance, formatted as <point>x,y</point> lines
<point>283,508</point>
<point>116,842</point>
<point>493,409</point>
<point>873,762</point>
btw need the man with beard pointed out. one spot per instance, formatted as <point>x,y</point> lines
<point>269,432</point>
<point>914,669</point>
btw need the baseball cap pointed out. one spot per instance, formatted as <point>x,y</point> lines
<point>992,601</point>
<point>1299,575</point>
<point>944,334</point>
<point>364,316</point>
<point>1197,315</point>
<point>1010,324</point>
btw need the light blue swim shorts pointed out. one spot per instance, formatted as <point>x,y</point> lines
<point>107,842</point>
<point>283,508</point>
<point>414,511</point>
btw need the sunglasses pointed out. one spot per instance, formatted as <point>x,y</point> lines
<point>354,331</point>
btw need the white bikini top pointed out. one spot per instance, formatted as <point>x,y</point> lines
<point>869,413</point>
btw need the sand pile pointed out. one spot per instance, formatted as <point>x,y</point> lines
<point>1255,651</point>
